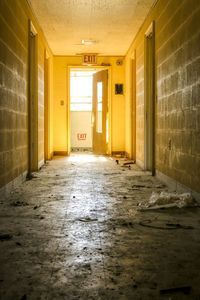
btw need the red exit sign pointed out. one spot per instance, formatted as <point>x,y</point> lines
<point>89,59</point>
<point>81,136</point>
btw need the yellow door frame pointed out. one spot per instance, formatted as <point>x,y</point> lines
<point>149,97</point>
<point>33,100</point>
<point>97,68</point>
<point>133,106</point>
<point>46,106</point>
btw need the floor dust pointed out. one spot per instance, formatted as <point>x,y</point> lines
<point>74,231</point>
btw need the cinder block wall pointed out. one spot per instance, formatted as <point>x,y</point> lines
<point>14,18</point>
<point>177,54</point>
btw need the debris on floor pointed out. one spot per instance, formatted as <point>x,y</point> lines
<point>184,289</point>
<point>81,236</point>
<point>129,163</point>
<point>19,203</point>
<point>5,236</point>
<point>168,200</point>
<point>87,219</point>
<point>166,226</point>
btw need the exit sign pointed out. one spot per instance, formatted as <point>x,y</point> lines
<point>89,59</point>
<point>81,136</point>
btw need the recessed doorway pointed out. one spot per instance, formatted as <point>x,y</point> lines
<point>149,105</point>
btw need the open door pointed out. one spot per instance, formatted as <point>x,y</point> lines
<point>100,112</point>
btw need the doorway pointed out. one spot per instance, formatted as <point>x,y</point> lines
<point>46,107</point>
<point>88,110</point>
<point>133,106</point>
<point>33,102</point>
<point>149,104</point>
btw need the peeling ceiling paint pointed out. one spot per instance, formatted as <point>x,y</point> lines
<point>112,24</point>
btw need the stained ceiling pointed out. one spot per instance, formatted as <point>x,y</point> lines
<point>106,26</point>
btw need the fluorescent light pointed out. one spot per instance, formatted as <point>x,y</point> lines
<point>88,42</point>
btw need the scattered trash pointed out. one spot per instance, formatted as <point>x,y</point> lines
<point>19,203</point>
<point>126,224</point>
<point>135,286</point>
<point>147,186</point>
<point>5,237</point>
<point>31,176</point>
<point>184,289</point>
<point>139,186</point>
<point>167,226</point>
<point>87,219</point>
<point>87,266</point>
<point>177,225</point>
<point>129,163</point>
<point>114,173</point>
<point>168,200</point>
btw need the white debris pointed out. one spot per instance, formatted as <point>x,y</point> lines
<point>167,200</point>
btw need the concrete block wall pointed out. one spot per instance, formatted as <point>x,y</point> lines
<point>177,100</point>
<point>140,102</point>
<point>13,91</point>
<point>178,92</point>
<point>14,30</point>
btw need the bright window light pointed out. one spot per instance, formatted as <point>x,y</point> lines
<point>81,91</point>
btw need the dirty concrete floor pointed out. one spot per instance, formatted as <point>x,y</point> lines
<point>74,232</point>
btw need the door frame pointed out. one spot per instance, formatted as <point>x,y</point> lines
<point>96,68</point>
<point>32,99</point>
<point>133,106</point>
<point>149,99</point>
<point>46,106</point>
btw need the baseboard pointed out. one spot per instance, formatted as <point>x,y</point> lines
<point>118,153</point>
<point>41,163</point>
<point>127,155</point>
<point>60,153</point>
<point>140,163</point>
<point>10,186</point>
<point>177,186</point>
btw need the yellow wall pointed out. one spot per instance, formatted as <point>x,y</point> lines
<point>14,53</point>
<point>177,68</point>
<point>61,93</point>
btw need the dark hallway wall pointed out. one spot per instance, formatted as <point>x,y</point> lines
<point>177,89</point>
<point>14,33</point>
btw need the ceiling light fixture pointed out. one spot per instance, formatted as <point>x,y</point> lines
<point>88,42</point>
